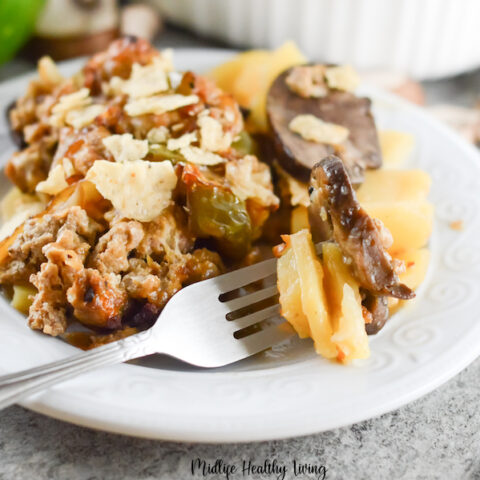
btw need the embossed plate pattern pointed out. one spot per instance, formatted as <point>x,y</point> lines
<point>289,391</point>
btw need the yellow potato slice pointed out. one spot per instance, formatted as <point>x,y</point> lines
<point>299,219</point>
<point>248,77</point>
<point>337,274</point>
<point>410,223</point>
<point>23,297</point>
<point>251,80</point>
<point>225,74</point>
<point>350,336</point>
<point>282,58</point>
<point>314,303</point>
<point>345,306</point>
<point>15,208</point>
<point>288,282</point>
<point>15,201</point>
<point>416,263</point>
<point>285,57</point>
<point>396,147</point>
<point>394,186</point>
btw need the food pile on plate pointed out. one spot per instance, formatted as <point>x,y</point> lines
<point>134,180</point>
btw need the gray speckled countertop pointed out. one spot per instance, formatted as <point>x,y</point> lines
<point>437,436</point>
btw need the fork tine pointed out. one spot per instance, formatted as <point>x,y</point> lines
<point>267,338</point>
<point>244,276</point>
<point>204,337</point>
<point>240,278</point>
<point>255,317</point>
<point>238,349</point>
<point>251,298</point>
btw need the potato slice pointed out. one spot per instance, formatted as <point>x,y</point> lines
<point>282,58</point>
<point>345,306</point>
<point>299,219</point>
<point>248,77</point>
<point>251,78</point>
<point>350,336</point>
<point>396,147</point>
<point>410,223</point>
<point>225,74</point>
<point>399,199</point>
<point>23,297</point>
<point>337,274</point>
<point>82,193</point>
<point>314,303</point>
<point>416,266</point>
<point>15,201</point>
<point>288,282</point>
<point>27,211</point>
<point>394,186</point>
<point>16,207</point>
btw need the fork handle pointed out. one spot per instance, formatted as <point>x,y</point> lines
<point>17,386</point>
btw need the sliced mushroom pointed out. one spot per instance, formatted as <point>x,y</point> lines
<point>15,135</point>
<point>354,230</point>
<point>298,156</point>
<point>377,305</point>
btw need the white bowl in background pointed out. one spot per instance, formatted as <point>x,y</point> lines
<point>422,38</point>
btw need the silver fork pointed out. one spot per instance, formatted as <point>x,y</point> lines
<point>193,327</point>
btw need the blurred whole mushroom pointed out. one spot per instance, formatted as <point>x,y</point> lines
<point>396,83</point>
<point>70,28</point>
<point>140,20</point>
<point>466,121</point>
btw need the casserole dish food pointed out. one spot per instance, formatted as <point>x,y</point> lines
<point>135,180</point>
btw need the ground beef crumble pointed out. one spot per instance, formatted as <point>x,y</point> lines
<point>65,259</point>
<point>164,262</point>
<point>97,300</point>
<point>113,248</point>
<point>82,147</point>
<point>82,271</point>
<point>30,166</point>
<point>26,253</point>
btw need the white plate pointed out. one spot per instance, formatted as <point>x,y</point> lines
<point>290,391</point>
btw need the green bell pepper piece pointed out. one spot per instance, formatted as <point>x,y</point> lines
<point>216,212</point>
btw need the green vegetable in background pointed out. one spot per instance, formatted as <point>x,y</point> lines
<point>17,20</point>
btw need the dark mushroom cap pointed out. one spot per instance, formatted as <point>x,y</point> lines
<point>298,156</point>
